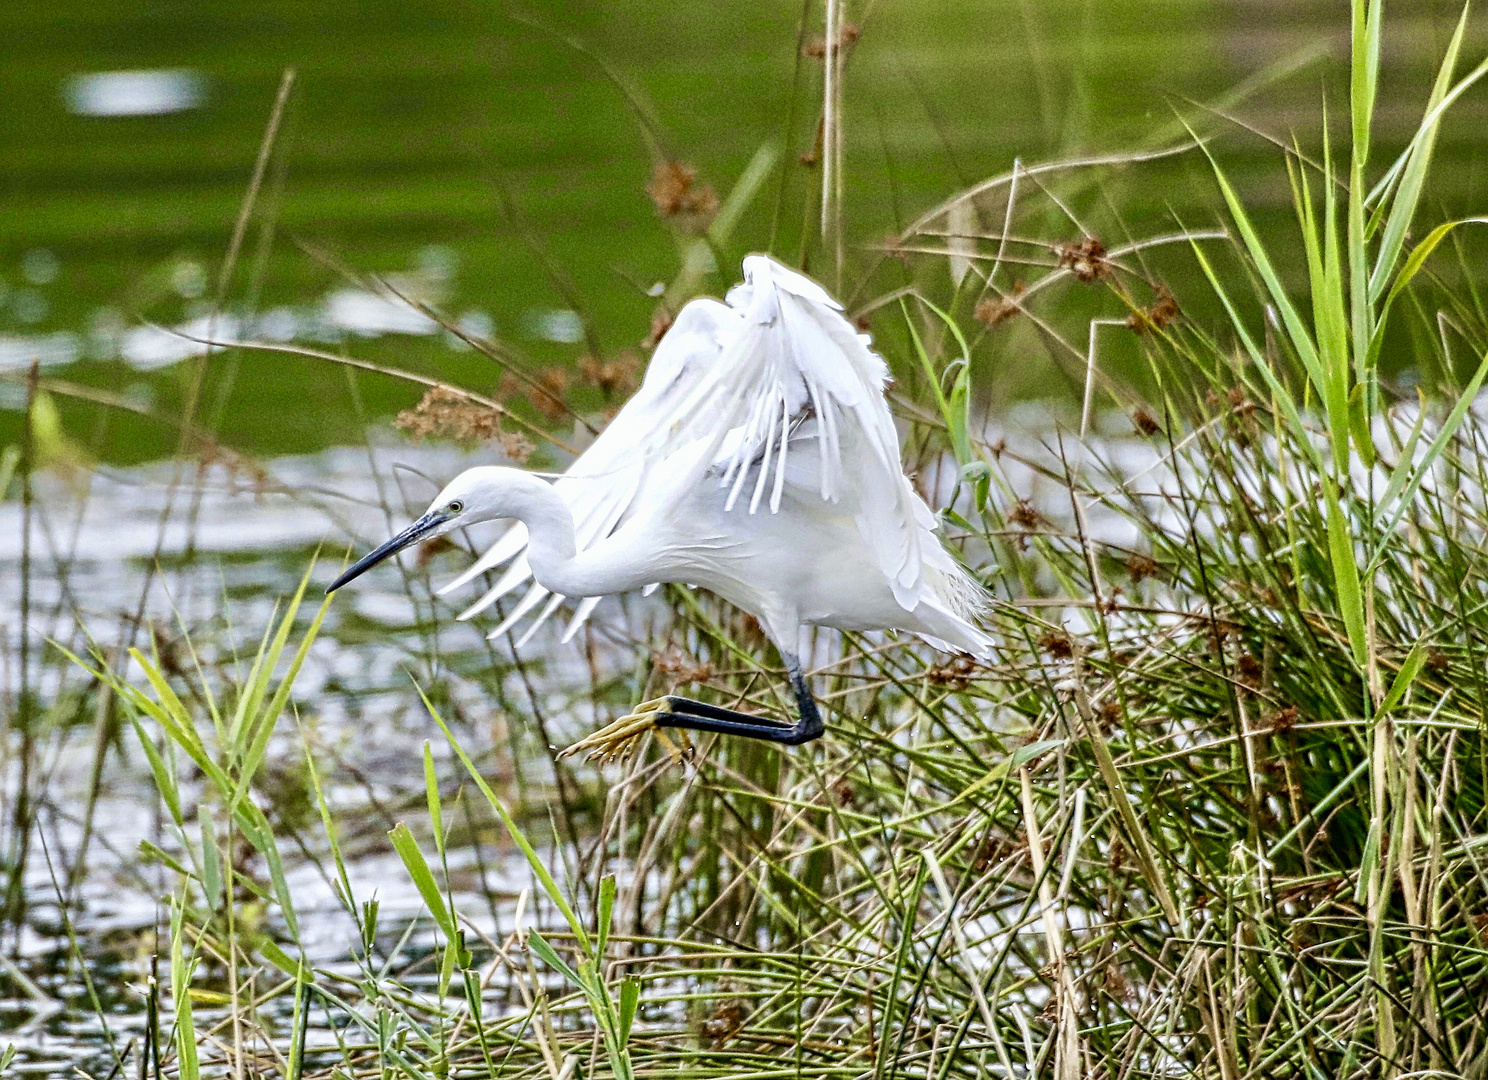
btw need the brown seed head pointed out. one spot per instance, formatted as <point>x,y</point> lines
<point>683,668</point>
<point>724,1023</point>
<point>1284,721</point>
<point>1058,646</point>
<point>1145,422</point>
<point>547,396</point>
<point>847,37</point>
<point>617,376</point>
<point>954,673</point>
<point>1086,259</point>
<point>1024,515</point>
<point>448,414</point>
<point>1141,567</point>
<point>679,198</point>
<point>1156,316</point>
<point>996,310</point>
<point>996,847</point>
<point>515,446</point>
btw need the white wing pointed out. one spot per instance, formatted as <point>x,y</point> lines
<point>602,482</point>
<point>797,356</point>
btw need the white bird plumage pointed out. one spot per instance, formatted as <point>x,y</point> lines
<point>758,460</point>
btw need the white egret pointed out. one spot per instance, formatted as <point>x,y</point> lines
<point>758,460</point>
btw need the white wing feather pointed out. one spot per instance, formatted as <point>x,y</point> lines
<point>795,356</point>
<point>601,484</point>
<point>740,377</point>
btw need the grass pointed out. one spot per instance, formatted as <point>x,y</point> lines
<point>1216,809</point>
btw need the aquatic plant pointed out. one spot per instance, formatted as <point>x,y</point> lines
<point>1216,808</point>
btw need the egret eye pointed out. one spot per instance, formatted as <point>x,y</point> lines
<point>455,507</point>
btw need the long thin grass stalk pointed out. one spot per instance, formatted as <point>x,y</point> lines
<point>23,717</point>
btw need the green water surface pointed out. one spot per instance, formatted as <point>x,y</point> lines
<point>475,137</point>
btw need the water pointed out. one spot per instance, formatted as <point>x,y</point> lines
<point>130,138</point>
<point>222,570</point>
<point>411,135</point>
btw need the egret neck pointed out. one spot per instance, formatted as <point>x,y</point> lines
<point>607,568</point>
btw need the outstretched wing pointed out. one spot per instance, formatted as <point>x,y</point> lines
<point>796,356</point>
<point>602,482</point>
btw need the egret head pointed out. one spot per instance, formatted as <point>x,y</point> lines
<point>475,495</point>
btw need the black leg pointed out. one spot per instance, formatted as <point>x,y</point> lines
<point>618,741</point>
<point>698,716</point>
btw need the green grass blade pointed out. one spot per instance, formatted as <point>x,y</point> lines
<point>1418,164</point>
<point>1443,437</point>
<point>1364,72</point>
<point>954,409</point>
<point>1346,586</point>
<point>550,956</point>
<point>1413,264</point>
<point>170,704</point>
<point>182,965</point>
<point>211,864</point>
<point>630,1001</point>
<point>264,723</point>
<point>203,684</point>
<point>271,952</point>
<point>1422,251</point>
<point>721,230</point>
<point>1278,389</point>
<point>431,796</point>
<point>10,459</point>
<point>150,853</point>
<point>1292,322</point>
<point>165,780</point>
<point>942,403</point>
<point>1361,313</point>
<point>1402,472</point>
<point>1330,320</point>
<point>903,956</point>
<point>1414,661</point>
<point>329,826</point>
<point>245,704</point>
<point>258,832</point>
<point>423,879</point>
<point>550,887</point>
<point>606,913</point>
<point>183,735</point>
<point>258,686</point>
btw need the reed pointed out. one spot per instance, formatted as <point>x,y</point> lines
<point>1216,808</point>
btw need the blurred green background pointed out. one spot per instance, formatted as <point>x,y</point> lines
<point>473,149</point>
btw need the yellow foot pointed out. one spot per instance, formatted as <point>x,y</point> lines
<point>619,740</point>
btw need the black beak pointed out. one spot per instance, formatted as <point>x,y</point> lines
<point>408,537</point>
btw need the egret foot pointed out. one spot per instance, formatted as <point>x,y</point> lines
<point>617,741</point>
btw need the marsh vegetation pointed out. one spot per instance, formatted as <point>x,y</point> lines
<point>1216,809</point>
